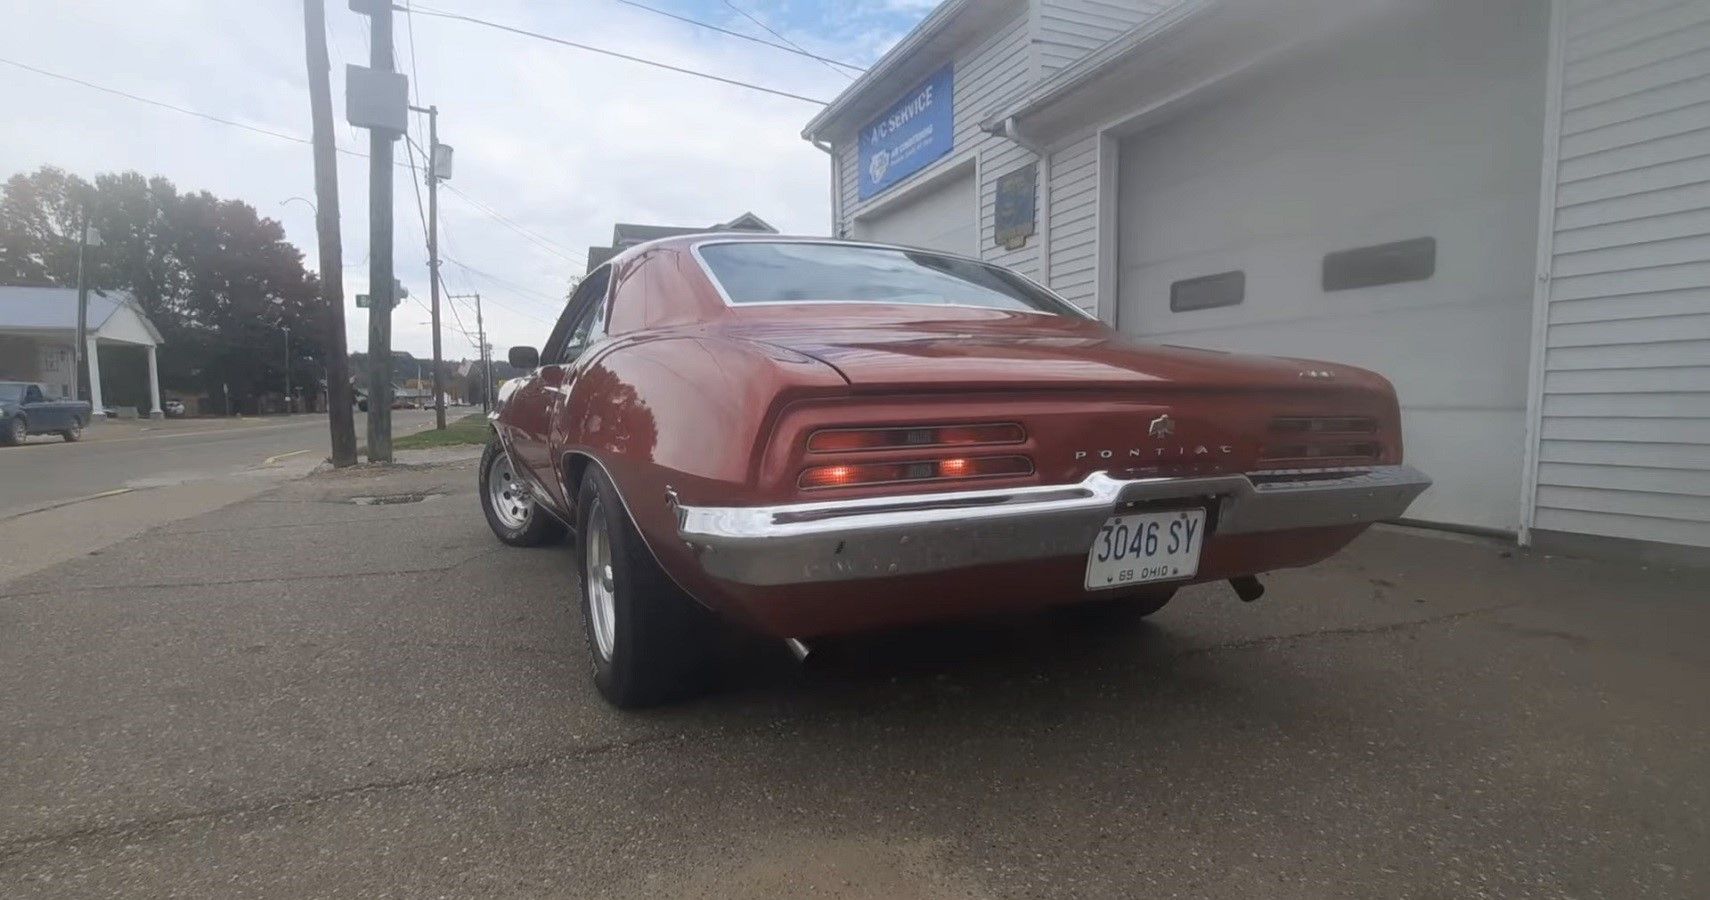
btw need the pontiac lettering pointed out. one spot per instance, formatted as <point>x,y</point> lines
<point>1160,452</point>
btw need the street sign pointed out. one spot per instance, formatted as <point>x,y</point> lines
<point>398,291</point>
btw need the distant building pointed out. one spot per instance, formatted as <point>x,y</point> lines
<point>626,235</point>
<point>38,331</point>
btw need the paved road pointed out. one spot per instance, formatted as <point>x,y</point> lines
<point>298,696</point>
<point>60,500</point>
<point>46,470</point>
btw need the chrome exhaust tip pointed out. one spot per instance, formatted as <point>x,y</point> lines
<point>798,649</point>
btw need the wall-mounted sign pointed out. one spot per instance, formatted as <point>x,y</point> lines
<point>916,130</point>
<point>1017,205</point>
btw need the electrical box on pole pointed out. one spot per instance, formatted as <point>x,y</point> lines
<point>377,100</point>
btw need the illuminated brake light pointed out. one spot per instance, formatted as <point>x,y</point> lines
<point>954,469</point>
<point>846,440</point>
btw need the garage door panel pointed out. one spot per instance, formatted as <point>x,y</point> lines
<point>1433,367</point>
<point>1284,274</point>
<point>1425,126</point>
<point>941,217</point>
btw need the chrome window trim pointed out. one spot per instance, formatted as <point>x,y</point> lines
<point>695,251</point>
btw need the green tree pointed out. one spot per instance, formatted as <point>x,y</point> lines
<point>219,280</point>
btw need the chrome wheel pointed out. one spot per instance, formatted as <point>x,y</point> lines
<point>509,499</point>
<point>597,581</point>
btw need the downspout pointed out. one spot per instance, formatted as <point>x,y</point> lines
<point>836,184</point>
<point>1012,130</point>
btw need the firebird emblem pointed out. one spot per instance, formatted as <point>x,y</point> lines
<point>1162,427</point>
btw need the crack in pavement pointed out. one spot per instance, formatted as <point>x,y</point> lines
<point>13,847</point>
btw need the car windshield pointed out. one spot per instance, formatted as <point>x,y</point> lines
<point>806,272</point>
<point>11,393</point>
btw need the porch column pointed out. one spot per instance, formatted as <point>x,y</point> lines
<point>154,387</point>
<point>99,408</point>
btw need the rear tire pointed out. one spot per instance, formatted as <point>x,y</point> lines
<point>515,517</point>
<point>649,641</point>
<point>73,434</point>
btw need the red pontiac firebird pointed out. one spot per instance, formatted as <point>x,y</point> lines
<point>810,437</point>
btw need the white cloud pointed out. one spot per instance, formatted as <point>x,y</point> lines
<point>559,140</point>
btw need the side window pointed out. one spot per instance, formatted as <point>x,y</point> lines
<point>574,330</point>
<point>32,394</point>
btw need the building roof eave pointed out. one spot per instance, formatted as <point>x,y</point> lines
<point>894,65</point>
<point>1097,63</point>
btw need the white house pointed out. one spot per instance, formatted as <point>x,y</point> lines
<point>1501,205</point>
<point>38,329</point>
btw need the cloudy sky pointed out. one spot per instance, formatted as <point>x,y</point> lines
<point>558,141</point>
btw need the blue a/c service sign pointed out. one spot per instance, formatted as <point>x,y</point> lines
<point>916,130</point>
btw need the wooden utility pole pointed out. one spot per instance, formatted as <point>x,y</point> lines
<point>482,357</point>
<point>433,177</point>
<point>381,280</point>
<point>486,358</point>
<point>340,419</point>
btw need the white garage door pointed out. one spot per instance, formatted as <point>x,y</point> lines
<point>1423,132</point>
<point>939,218</point>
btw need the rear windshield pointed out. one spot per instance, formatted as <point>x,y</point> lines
<point>765,272</point>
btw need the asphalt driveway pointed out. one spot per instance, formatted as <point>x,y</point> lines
<point>299,695</point>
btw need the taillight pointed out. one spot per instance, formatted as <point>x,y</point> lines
<point>848,440</point>
<point>955,468</point>
<point>1313,439</point>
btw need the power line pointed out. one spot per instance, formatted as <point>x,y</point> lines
<point>737,34</point>
<point>528,292</point>
<point>601,50</point>
<point>270,133</point>
<point>178,109</point>
<point>164,105</point>
<point>542,242</point>
<point>799,48</point>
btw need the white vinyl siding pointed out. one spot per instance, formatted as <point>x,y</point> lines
<point>1074,222</point>
<point>1070,29</point>
<point>1623,401</point>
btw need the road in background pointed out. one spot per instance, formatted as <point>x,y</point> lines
<point>47,470</point>
<point>58,500</point>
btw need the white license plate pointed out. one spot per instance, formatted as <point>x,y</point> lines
<point>1142,547</point>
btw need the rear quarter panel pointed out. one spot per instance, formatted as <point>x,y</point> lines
<point>681,416</point>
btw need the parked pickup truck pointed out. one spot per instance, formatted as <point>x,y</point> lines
<point>26,410</point>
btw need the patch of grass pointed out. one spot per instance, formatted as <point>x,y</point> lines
<point>471,429</point>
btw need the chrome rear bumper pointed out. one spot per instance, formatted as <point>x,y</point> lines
<point>877,537</point>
